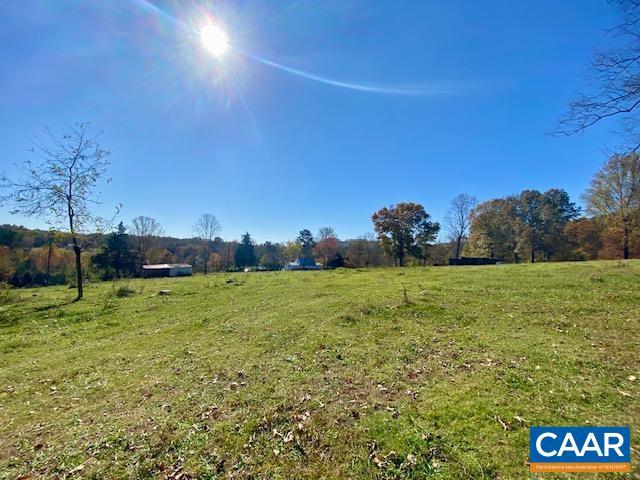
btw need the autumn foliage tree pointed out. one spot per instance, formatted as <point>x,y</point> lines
<point>492,230</point>
<point>291,250</point>
<point>326,249</point>
<point>586,237</point>
<point>541,218</point>
<point>531,223</point>
<point>215,262</point>
<point>7,268</point>
<point>364,251</point>
<point>271,256</point>
<point>402,228</point>
<point>614,194</point>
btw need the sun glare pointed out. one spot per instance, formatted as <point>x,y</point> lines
<point>214,39</point>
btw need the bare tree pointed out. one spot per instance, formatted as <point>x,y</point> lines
<point>206,229</point>
<point>145,228</point>
<point>615,77</point>
<point>326,232</point>
<point>615,193</point>
<point>61,187</point>
<point>458,219</point>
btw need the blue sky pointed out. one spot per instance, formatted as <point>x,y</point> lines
<point>272,152</point>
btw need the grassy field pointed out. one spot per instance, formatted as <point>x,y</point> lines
<point>391,373</point>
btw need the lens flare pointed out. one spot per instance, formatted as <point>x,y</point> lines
<point>214,39</point>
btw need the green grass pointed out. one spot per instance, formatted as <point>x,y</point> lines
<point>390,373</point>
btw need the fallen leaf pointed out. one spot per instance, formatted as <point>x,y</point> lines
<point>505,425</point>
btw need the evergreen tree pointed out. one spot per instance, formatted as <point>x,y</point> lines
<point>116,259</point>
<point>245,254</point>
<point>306,241</point>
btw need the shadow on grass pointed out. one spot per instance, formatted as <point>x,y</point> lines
<point>51,306</point>
<point>13,318</point>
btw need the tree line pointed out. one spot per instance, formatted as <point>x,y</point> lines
<point>529,226</point>
<point>548,226</point>
<point>38,257</point>
<point>60,187</point>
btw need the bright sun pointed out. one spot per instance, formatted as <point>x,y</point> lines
<point>214,40</point>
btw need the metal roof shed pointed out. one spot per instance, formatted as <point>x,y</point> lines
<point>167,270</point>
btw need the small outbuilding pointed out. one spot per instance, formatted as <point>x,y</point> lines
<point>472,261</point>
<point>167,270</point>
<point>302,263</point>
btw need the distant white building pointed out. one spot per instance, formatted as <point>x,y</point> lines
<point>167,270</point>
<point>302,263</point>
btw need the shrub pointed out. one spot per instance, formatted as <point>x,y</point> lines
<point>6,294</point>
<point>123,290</point>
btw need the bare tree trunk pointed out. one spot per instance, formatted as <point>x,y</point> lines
<point>206,255</point>
<point>49,262</point>
<point>77,251</point>
<point>625,242</point>
<point>142,252</point>
<point>458,241</point>
<point>533,249</point>
<point>76,247</point>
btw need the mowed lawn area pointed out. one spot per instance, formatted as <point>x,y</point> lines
<point>381,373</point>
